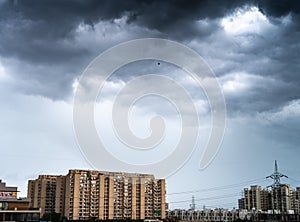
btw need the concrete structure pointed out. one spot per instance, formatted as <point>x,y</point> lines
<point>241,203</point>
<point>47,193</point>
<point>265,199</point>
<point>295,200</point>
<point>7,192</point>
<point>281,198</point>
<point>13,208</point>
<point>226,215</point>
<point>86,194</point>
<point>252,198</point>
<point>203,215</point>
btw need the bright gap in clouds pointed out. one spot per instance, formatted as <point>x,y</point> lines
<point>2,72</point>
<point>247,20</point>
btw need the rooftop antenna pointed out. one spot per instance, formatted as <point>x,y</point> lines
<point>276,175</point>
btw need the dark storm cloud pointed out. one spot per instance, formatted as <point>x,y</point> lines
<point>35,30</point>
<point>39,36</point>
<point>279,8</point>
<point>55,20</point>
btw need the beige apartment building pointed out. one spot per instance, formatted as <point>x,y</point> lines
<point>47,193</point>
<point>256,198</point>
<point>295,200</point>
<point>85,194</point>
<point>265,199</point>
<point>252,197</point>
<point>281,198</point>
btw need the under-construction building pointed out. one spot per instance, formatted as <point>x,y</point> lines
<point>295,200</point>
<point>85,194</point>
<point>265,199</point>
<point>279,197</point>
<point>252,197</point>
<point>256,198</point>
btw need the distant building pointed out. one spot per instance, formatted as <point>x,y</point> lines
<point>265,199</point>
<point>7,192</point>
<point>47,193</point>
<point>85,194</point>
<point>13,208</point>
<point>295,200</point>
<point>203,215</point>
<point>252,198</point>
<point>281,198</point>
<point>241,203</point>
<point>226,215</point>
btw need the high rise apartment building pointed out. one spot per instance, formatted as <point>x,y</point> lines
<point>252,197</point>
<point>84,194</point>
<point>281,198</point>
<point>47,193</point>
<point>295,200</point>
<point>265,199</point>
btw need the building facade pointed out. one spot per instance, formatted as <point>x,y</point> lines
<point>7,192</point>
<point>295,200</point>
<point>203,215</point>
<point>266,199</point>
<point>13,208</point>
<point>281,198</point>
<point>226,215</point>
<point>86,194</point>
<point>252,197</point>
<point>47,192</point>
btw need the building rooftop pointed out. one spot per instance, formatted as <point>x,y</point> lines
<point>4,188</point>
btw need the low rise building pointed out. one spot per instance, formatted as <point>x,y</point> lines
<point>226,215</point>
<point>217,214</point>
<point>13,208</point>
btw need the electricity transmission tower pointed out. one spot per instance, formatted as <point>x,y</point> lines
<point>276,175</point>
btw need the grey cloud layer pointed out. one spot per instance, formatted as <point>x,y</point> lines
<point>42,46</point>
<point>45,45</point>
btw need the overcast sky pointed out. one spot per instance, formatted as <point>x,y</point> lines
<point>253,47</point>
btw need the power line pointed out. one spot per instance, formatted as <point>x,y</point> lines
<point>208,198</point>
<point>294,180</point>
<point>218,188</point>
